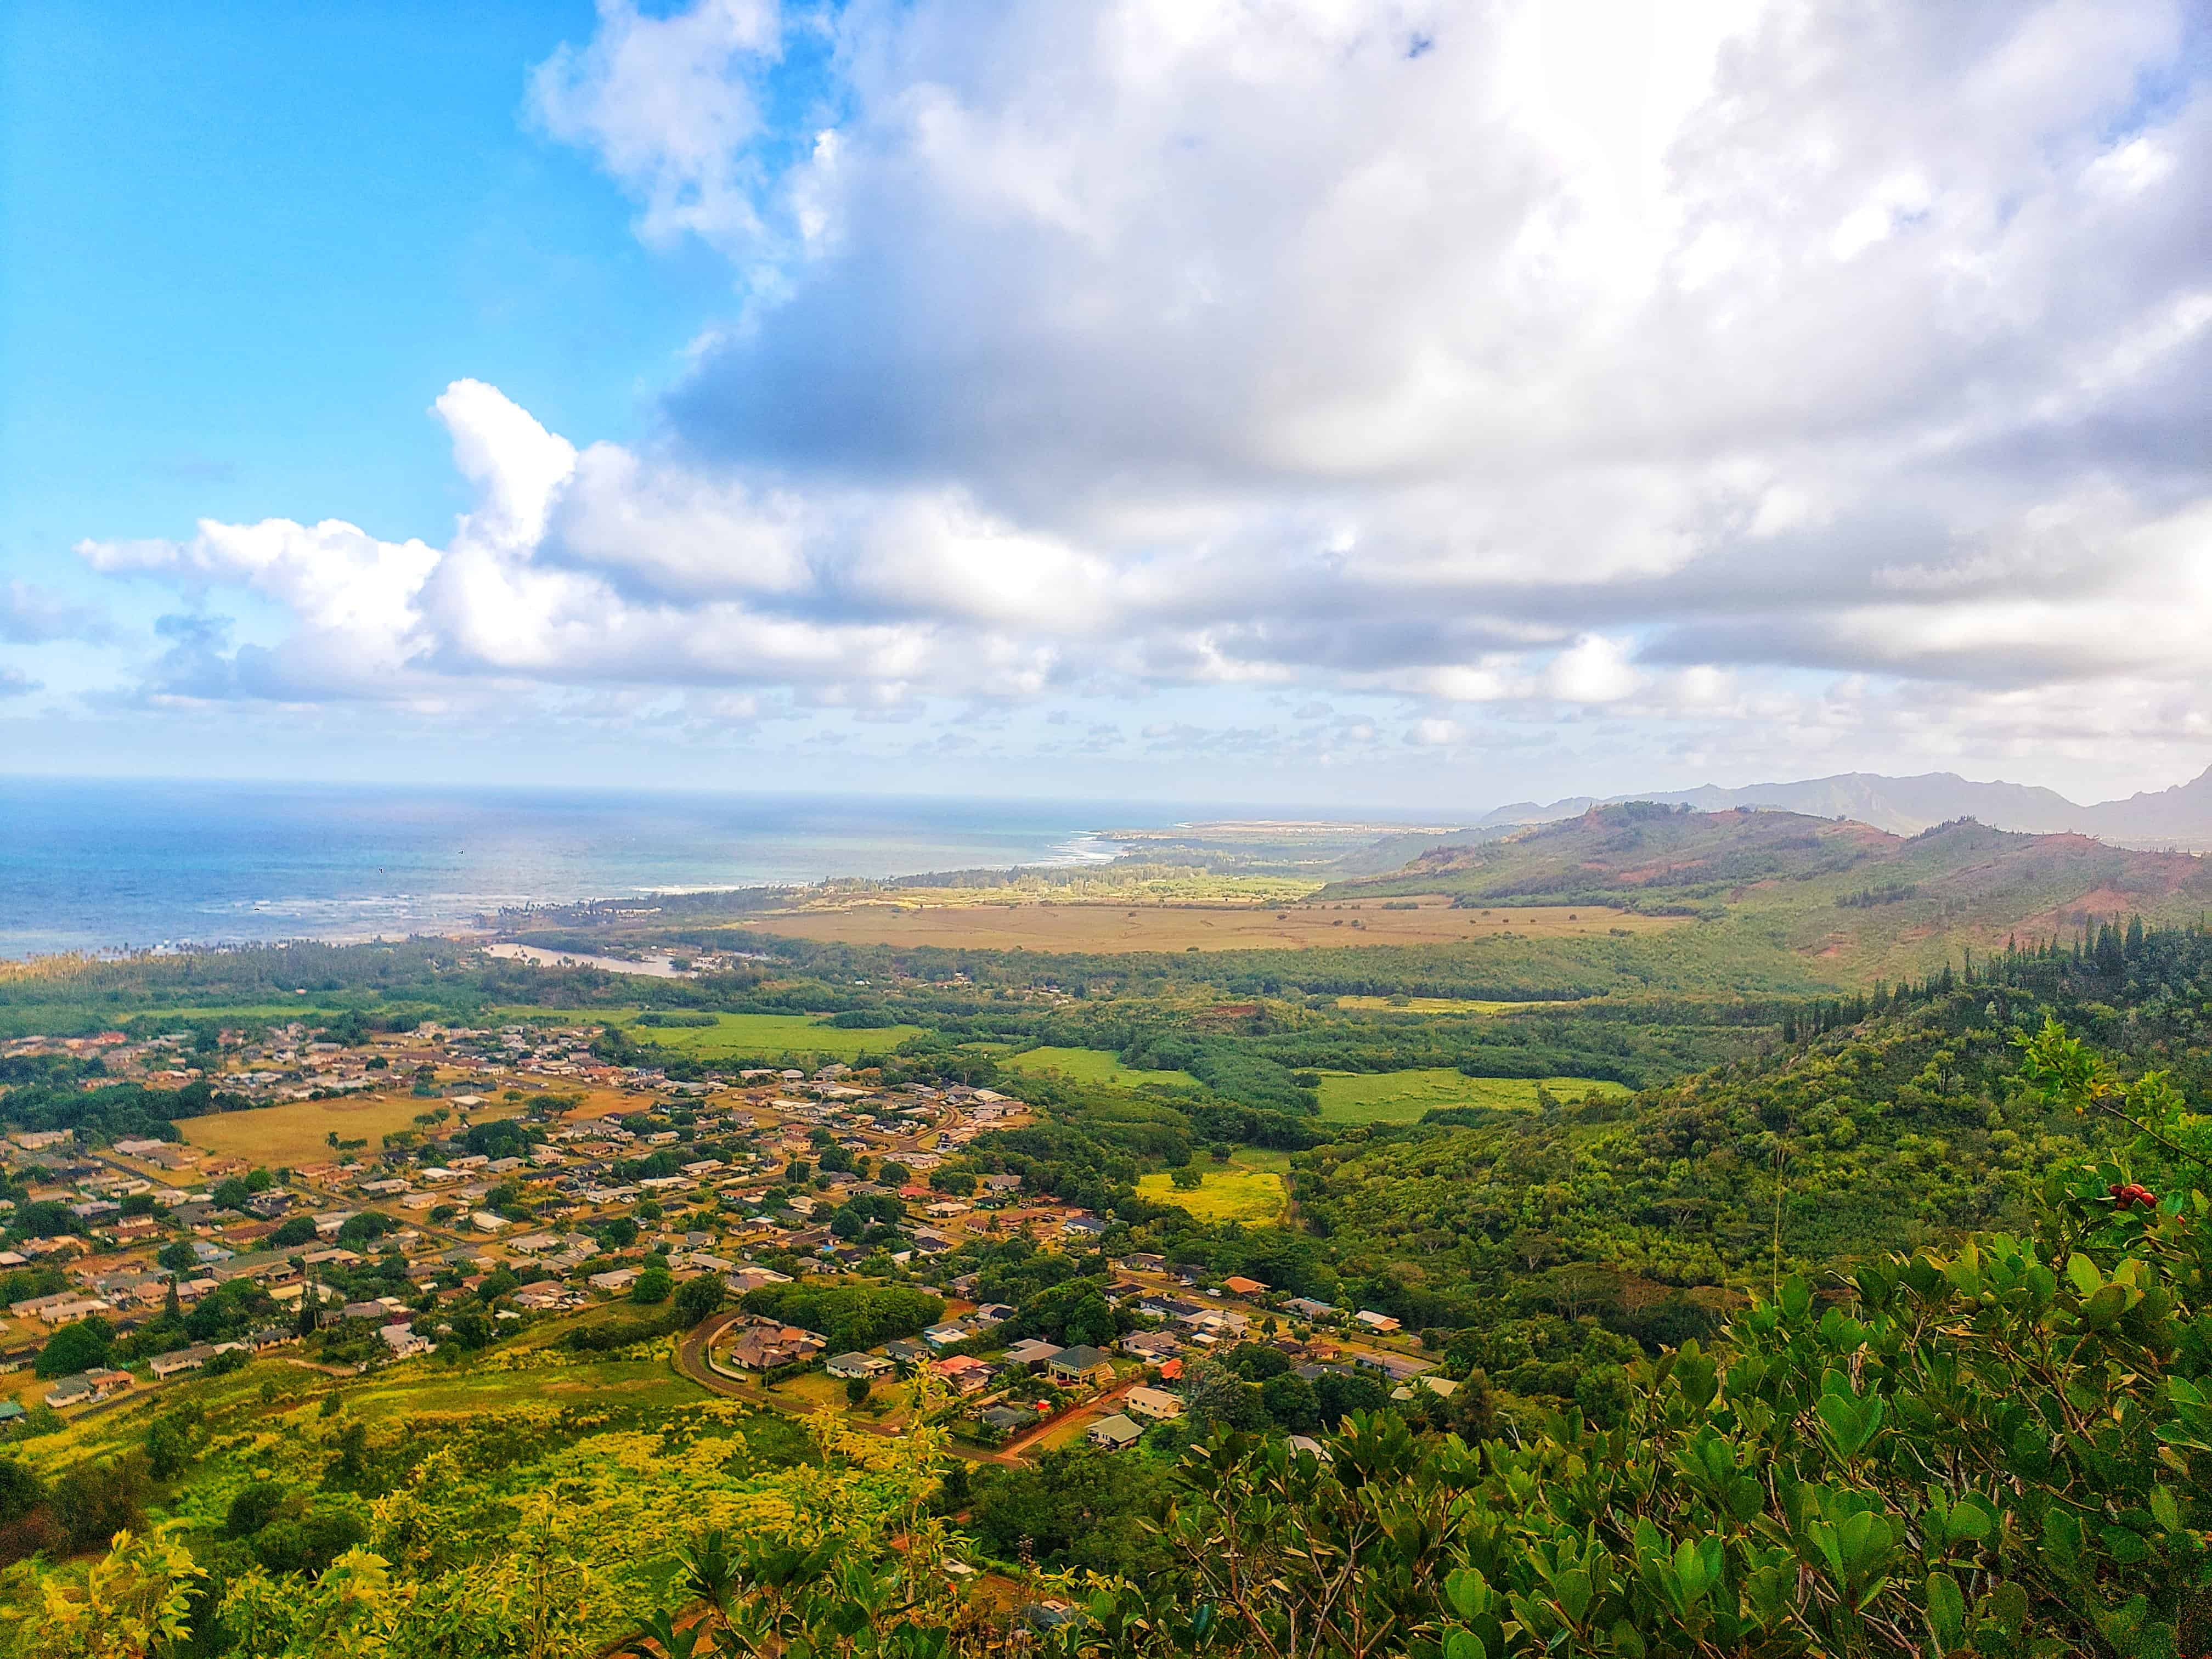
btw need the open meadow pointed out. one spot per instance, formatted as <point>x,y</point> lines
<point>297,1132</point>
<point>1109,929</point>
<point>1250,1196</point>
<point>1403,1096</point>
<point>1406,1004</point>
<point>1092,1066</point>
<point>764,1036</point>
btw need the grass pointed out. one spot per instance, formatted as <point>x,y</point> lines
<point>1442,1005</point>
<point>1155,925</point>
<point>1402,1097</point>
<point>287,1135</point>
<point>425,1386</point>
<point>1232,1194</point>
<point>1092,1066</point>
<point>761,1036</point>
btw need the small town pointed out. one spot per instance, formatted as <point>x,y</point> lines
<point>539,1183</point>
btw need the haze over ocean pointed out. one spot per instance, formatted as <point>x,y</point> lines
<point>89,866</point>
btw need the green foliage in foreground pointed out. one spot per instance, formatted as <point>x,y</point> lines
<point>2001,1449</point>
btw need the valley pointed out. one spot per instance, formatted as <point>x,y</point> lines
<point>389,1237</point>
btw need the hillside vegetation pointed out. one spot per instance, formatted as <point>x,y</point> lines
<point>1852,904</point>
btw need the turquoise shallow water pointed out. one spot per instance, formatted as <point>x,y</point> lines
<point>95,865</point>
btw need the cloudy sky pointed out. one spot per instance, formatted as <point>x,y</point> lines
<point>1403,403</point>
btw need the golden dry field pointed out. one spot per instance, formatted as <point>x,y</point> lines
<point>1125,927</point>
<point>295,1133</point>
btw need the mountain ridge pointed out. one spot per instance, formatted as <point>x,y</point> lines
<point>2180,815</point>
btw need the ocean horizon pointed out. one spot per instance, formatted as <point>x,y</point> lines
<point>98,865</point>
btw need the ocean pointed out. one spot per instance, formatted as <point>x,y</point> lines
<point>106,865</point>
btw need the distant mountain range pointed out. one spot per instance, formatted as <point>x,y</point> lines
<point>2180,816</point>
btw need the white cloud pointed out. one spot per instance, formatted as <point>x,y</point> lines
<point>1838,372</point>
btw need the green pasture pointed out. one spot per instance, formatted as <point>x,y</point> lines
<point>1442,1005</point>
<point>733,1036</point>
<point>1403,1096</point>
<point>1092,1066</point>
<point>1250,1196</point>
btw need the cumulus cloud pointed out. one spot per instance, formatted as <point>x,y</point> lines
<point>1764,364</point>
<point>13,683</point>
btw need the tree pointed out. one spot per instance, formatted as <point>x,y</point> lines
<point>1092,1322</point>
<point>177,1257</point>
<point>700,1298</point>
<point>856,1391</point>
<point>652,1286</point>
<point>1289,1399</point>
<point>618,1232</point>
<point>78,1347</point>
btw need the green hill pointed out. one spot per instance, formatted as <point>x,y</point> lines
<point>1848,904</point>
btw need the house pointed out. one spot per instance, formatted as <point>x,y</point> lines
<point>1308,1309</point>
<point>1113,1433</point>
<point>1151,1345</point>
<point>849,1365</point>
<point>1443,1387</point>
<point>1238,1284</point>
<point>86,1388</point>
<point>1156,1404</point>
<point>754,1278</point>
<point>1031,1352</point>
<point>992,1313</point>
<point>1143,1263</point>
<point>1376,1321</point>
<point>965,1373</point>
<point>1082,1226</point>
<point>1398,1367</point>
<point>184,1359</point>
<point>615,1279</point>
<point>485,1222</point>
<point>403,1341</point>
<point>1004,1418</point>
<point>1082,1363</point>
<point>945,1335</point>
<point>768,1346</point>
<point>547,1297</point>
<point>907,1352</point>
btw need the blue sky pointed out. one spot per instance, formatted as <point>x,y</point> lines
<point>1125,399</point>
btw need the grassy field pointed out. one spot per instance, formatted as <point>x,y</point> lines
<point>1091,1066</point>
<point>424,1386</point>
<point>295,1133</point>
<point>1402,1097</point>
<point>1158,926</point>
<point>766,1036</point>
<point>1232,1194</point>
<point>1442,1005</point>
